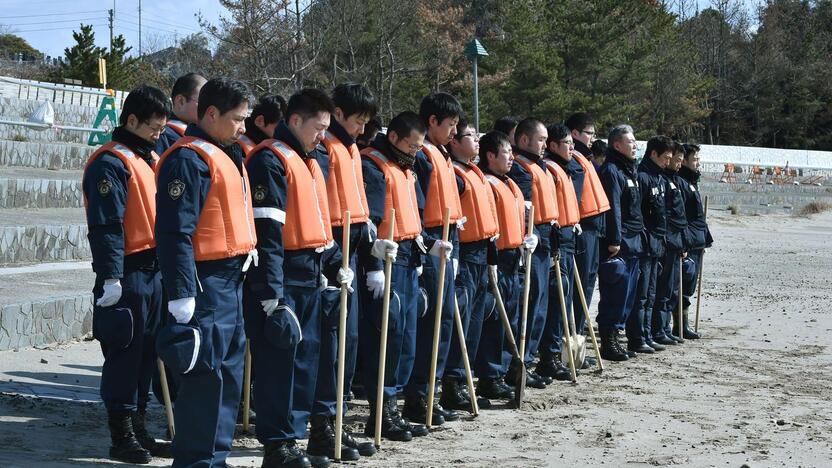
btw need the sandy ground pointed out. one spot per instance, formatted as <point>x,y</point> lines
<point>754,392</point>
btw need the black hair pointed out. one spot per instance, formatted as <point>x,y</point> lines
<point>371,128</point>
<point>223,93</point>
<point>308,102</point>
<point>528,127</point>
<point>145,102</point>
<point>599,147</point>
<point>557,132</point>
<point>460,127</point>
<point>185,85</point>
<point>491,143</point>
<point>354,98</point>
<point>579,121</point>
<point>678,147</point>
<point>505,124</point>
<point>271,106</point>
<point>660,144</point>
<point>691,149</point>
<point>440,105</point>
<point>405,123</point>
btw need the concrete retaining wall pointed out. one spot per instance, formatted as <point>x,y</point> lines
<point>40,193</point>
<point>44,155</point>
<point>29,244</point>
<point>40,323</point>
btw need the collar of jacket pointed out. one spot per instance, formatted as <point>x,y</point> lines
<point>624,163</point>
<point>487,171</point>
<point>583,149</point>
<point>136,143</point>
<point>235,152</point>
<point>689,175</point>
<point>649,166</point>
<point>383,145</point>
<point>526,154</point>
<point>340,133</point>
<point>285,135</point>
<point>571,167</point>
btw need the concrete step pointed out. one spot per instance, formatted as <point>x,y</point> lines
<point>53,135</point>
<point>42,235</point>
<point>22,187</point>
<point>44,155</point>
<point>66,114</point>
<point>45,303</point>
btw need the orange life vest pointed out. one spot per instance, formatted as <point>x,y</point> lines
<point>544,193</point>
<point>442,189</point>
<point>177,126</point>
<point>568,211</point>
<point>140,210</point>
<point>511,212</point>
<point>478,205</point>
<point>307,212</point>
<point>226,224</point>
<point>246,143</point>
<point>593,199</point>
<point>401,195</point>
<point>345,185</point>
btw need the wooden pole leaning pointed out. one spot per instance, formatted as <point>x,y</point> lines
<point>247,388</point>
<point>580,287</point>
<point>681,301</point>
<point>699,277</point>
<point>385,318</point>
<point>527,284</point>
<point>437,321</point>
<point>566,341</point>
<point>463,348</point>
<point>342,339</point>
<point>517,358</point>
<point>166,396</point>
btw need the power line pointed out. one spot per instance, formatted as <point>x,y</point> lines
<point>51,14</point>
<point>164,23</point>
<point>58,28</point>
<point>38,23</point>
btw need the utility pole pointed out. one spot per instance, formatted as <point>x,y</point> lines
<point>140,29</point>
<point>112,13</point>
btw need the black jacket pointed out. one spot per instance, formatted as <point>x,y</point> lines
<point>652,186</point>
<point>624,223</point>
<point>698,234</point>
<point>677,221</point>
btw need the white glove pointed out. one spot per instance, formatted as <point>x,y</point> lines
<point>182,309</point>
<point>578,229</point>
<point>456,267</point>
<point>383,248</point>
<point>324,282</point>
<point>530,242</point>
<point>269,306</point>
<point>442,248</point>
<point>111,294</point>
<point>345,278</point>
<point>419,270</point>
<point>375,283</point>
<point>252,257</point>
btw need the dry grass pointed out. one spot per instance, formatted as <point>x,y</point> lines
<point>815,207</point>
<point>734,209</point>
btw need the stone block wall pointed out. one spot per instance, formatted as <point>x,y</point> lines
<point>39,323</point>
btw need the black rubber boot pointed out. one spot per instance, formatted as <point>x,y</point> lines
<point>689,333</point>
<point>415,409</point>
<point>125,446</point>
<point>322,441</point>
<point>610,348</point>
<point>156,448</point>
<point>391,428</point>
<point>494,389</point>
<point>453,396</point>
<point>284,454</point>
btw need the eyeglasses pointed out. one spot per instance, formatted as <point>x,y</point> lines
<point>413,147</point>
<point>154,129</point>
<point>588,133</point>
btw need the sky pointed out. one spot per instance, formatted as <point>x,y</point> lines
<point>48,24</point>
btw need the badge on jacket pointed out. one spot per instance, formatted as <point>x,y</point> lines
<point>104,187</point>
<point>260,193</point>
<point>175,189</point>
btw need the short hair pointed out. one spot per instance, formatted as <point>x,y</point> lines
<point>528,127</point>
<point>557,132</point>
<point>660,144</point>
<point>223,93</point>
<point>598,148</point>
<point>441,105</point>
<point>271,106</point>
<point>491,143</point>
<point>678,147</point>
<point>579,121</point>
<point>145,102</point>
<point>617,132</point>
<point>505,124</point>
<point>691,149</point>
<point>405,123</point>
<point>371,128</point>
<point>354,98</point>
<point>185,85</point>
<point>308,102</point>
<point>460,126</point>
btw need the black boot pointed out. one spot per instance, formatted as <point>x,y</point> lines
<point>494,389</point>
<point>149,443</point>
<point>689,333</point>
<point>125,446</point>
<point>415,409</point>
<point>365,449</point>
<point>452,395</point>
<point>322,440</point>
<point>390,427</point>
<point>284,454</point>
<point>610,348</point>
<point>552,367</point>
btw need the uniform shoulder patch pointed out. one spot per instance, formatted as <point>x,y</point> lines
<point>260,192</point>
<point>104,187</point>
<point>175,189</point>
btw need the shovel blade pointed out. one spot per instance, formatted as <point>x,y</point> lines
<point>520,381</point>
